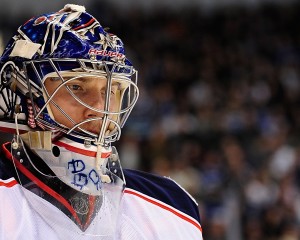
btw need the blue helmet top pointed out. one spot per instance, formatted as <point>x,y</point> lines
<point>68,33</point>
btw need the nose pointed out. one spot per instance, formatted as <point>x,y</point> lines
<point>95,101</point>
<point>95,104</point>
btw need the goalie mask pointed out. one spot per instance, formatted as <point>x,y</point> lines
<point>67,89</point>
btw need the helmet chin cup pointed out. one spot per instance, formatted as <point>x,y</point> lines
<point>84,169</point>
<point>75,181</point>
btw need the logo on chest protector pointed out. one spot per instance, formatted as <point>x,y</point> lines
<point>80,205</point>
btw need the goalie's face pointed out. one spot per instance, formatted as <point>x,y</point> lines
<point>84,102</point>
<point>89,100</point>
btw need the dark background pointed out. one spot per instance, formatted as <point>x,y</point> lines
<point>219,106</point>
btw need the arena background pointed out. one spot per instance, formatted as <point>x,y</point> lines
<point>219,107</point>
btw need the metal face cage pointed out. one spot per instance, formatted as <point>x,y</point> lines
<point>65,72</point>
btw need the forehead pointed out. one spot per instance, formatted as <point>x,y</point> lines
<point>65,75</point>
<point>85,77</point>
<point>85,81</point>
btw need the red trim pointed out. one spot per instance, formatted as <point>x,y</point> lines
<point>75,149</point>
<point>196,224</point>
<point>43,186</point>
<point>92,200</point>
<point>84,25</point>
<point>28,21</point>
<point>79,150</point>
<point>9,184</point>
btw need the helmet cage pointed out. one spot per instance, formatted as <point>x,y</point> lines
<point>38,70</point>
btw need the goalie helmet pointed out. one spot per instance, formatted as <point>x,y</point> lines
<point>66,44</point>
<point>67,89</point>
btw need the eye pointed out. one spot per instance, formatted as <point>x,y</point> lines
<point>75,87</point>
<point>114,89</point>
<point>103,93</point>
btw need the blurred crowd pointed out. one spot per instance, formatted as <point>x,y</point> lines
<point>218,112</point>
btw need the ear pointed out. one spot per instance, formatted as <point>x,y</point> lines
<point>7,72</point>
<point>13,79</point>
<point>8,86</point>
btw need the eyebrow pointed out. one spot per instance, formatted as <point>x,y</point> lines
<point>82,79</point>
<point>117,84</point>
<point>66,78</point>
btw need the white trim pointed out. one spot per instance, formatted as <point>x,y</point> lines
<point>8,180</point>
<point>167,207</point>
<point>13,126</point>
<point>74,7</point>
